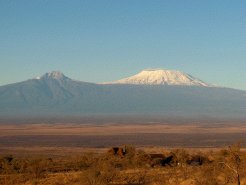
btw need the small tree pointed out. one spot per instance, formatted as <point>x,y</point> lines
<point>233,161</point>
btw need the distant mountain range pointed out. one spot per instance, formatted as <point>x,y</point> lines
<point>162,92</point>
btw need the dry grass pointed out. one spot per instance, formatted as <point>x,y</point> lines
<point>74,154</point>
<point>133,169</point>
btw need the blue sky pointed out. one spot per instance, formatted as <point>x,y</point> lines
<point>105,40</point>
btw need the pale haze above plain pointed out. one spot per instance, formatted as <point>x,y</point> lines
<point>103,41</point>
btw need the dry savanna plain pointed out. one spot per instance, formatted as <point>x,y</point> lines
<point>123,154</point>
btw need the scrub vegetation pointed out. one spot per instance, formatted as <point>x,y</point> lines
<point>127,165</point>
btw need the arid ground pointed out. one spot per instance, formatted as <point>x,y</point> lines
<point>78,154</point>
<point>78,137</point>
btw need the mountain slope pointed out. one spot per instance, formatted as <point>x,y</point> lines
<point>56,94</point>
<point>161,77</point>
<point>51,90</point>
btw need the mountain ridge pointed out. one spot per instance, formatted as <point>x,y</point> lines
<point>56,94</point>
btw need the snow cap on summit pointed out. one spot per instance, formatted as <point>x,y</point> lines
<point>161,77</point>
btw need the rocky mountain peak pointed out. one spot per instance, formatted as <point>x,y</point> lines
<point>56,75</point>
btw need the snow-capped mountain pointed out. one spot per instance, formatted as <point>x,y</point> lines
<point>161,77</point>
<point>55,94</point>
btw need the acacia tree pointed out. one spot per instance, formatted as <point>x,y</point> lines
<point>233,161</point>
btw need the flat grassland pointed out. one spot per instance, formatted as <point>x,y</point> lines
<point>62,138</point>
<point>77,154</point>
